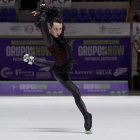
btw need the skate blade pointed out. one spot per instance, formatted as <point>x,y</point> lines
<point>25,60</point>
<point>30,63</point>
<point>31,57</point>
<point>88,132</point>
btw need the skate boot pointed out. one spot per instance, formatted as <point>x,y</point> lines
<point>88,123</point>
<point>29,59</point>
<point>26,58</point>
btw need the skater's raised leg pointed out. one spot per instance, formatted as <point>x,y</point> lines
<point>37,61</point>
<point>65,80</point>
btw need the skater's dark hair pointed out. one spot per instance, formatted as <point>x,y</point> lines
<point>55,19</point>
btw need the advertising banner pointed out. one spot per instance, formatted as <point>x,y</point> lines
<point>136,33</point>
<point>54,88</point>
<point>7,2</point>
<point>21,29</point>
<point>57,3</point>
<point>28,29</point>
<point>75,29</point>
<point>71,29</point>
<point>98,58</point>
<point>108,29</point>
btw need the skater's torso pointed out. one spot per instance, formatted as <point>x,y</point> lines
<point>59,51</point>
<point>61,55</point>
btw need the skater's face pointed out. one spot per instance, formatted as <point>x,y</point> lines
<point>56,29</point>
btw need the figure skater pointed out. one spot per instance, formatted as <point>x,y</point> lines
<point>59,48</point>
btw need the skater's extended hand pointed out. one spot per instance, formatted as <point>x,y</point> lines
<point>42,5</point>
<point>35,13</point>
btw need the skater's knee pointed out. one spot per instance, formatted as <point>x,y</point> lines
<point>77,97</point>
<point>76,94</point>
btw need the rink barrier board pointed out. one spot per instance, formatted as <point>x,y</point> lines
<point>112,66</point>
<point>54,88</point>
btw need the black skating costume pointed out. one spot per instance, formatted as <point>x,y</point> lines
<point>61,53</point>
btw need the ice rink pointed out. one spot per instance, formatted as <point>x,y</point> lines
<point>58,118</point>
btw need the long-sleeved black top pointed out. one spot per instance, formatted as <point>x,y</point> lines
<point>58,47</point>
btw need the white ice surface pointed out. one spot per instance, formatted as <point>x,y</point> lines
<point>58,118</point>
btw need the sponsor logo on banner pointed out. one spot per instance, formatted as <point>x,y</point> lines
<point>101,50</point>
<point>120,71</point>
<point>19,50</point>
<point>14,87</point>
<point>84,72</point>
<point>45,74</point>
<point>103,29</point>
<point>16,28</point>
<point>29,29</point>
<point>71,44</point>
<point>96,86</point>
<point>33,87</point>
<point>6,72</point>
<point>110,29</point>
<point>44,69</point>
<point>103,72</point>
<point>57,3</point>
<point>24,73</point>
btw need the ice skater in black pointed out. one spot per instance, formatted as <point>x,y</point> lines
<point>59,48</point>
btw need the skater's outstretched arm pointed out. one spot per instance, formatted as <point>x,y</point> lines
<point>41,23</point>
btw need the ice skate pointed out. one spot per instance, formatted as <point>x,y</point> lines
<point>31,60</point>
<point>28,58</point>
<point>88,123</point>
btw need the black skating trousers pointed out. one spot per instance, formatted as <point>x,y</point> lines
<point>65,80</point>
